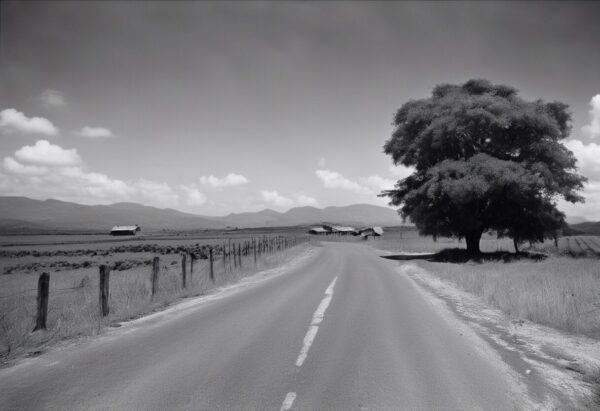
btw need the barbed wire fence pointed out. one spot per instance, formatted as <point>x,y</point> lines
<point>195,273</point>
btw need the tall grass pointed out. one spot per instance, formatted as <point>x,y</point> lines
<point>409,241</point>
<point>73,308</point>
<point>560,292</point>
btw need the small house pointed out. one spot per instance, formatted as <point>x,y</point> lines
<point>340,230</point>
<point>371,231</point>
<point>125,230</point>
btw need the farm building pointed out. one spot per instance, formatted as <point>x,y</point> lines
<point>125,230</point>
<point>341,230</point>
<point>371,231</point>
<point>333,229</point>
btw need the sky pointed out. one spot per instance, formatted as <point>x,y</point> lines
<point>214,108</point>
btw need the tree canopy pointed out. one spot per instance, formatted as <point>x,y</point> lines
<point>484,159</point>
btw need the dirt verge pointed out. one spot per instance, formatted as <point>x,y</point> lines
<point>561,369</point>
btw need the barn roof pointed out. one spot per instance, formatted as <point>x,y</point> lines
<point>125,228</point>
<point>319,230</point>
<point>378,230</point>
<point>343,229</point>
<point>371,230</point>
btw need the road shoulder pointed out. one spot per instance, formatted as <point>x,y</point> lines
<point>559,370</point>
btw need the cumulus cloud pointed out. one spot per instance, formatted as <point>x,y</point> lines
<point>229,180</point>
<point>157,193</point>
<point>12,121</point>
<point>45,170</point>
<point>400,172</point>
<point>378,183</point>
<point>13,166</point>
<point>592,130</point>
<point>274,198</point>
<point>193,196</point>
<point>588,162</point>
<point>45,153</point>
<point>69,183</point>
<point>304,200</point>
<point>333,179</point>
<point>95,132</point>
<point>53,98</point>
<point>588,158</point>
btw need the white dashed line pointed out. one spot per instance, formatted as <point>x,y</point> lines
<point>314,324</point>
<point>289,400</point>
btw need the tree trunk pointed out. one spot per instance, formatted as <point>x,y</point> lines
<point>516,245</point>
<point>473,242</point>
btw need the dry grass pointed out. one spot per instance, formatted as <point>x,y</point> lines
<point>560,292</point>
<point>74,304</point>
<point>409,241</point>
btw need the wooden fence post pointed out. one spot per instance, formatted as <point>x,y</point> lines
<point>224,261</point>
<point>254,249</point>
<point>234,258</point>
<point>104,289</point>
<point>229,254</point>
<point>240,255</point>
<point>42,301</point>
<point>155,268</point>
<point>183,270</point>
<point>212,271</point>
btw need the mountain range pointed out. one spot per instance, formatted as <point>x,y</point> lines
<point>25,215</point>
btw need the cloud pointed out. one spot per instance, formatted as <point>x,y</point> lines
<point>274,198</point>
<point>590,209</point>
<point>53,98</point>
<point>193,196</point>
<point>229,180</point>
<point>304,200</point>
<point>378,183</point>
<point>157,193</point>
<point>45,153</point>
<point>89,184</point>
<point>12,121</point>
<point>13,166</point>
<point>588,162</point>
<point>401,172</point>
<point>333,179</point>
<point>45,170</point>
<point>588,158</point>
<point>592,130</point>
<point>95,132</point>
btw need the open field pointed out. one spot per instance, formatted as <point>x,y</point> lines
<point>560,291</point>
<point>74,280</point>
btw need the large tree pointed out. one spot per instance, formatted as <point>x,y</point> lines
<point>484,160</point>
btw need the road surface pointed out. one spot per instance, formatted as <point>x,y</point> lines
<point>341,330</point>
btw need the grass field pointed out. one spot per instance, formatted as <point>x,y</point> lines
<point>562,291</point>
<point>73,307</point>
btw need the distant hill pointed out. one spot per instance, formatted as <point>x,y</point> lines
<point>576,220</point>
<point>23,215</point>
<point>356,215</point>
<point>587,228</point>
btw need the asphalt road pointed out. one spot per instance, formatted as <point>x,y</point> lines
<point>341,330</point>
